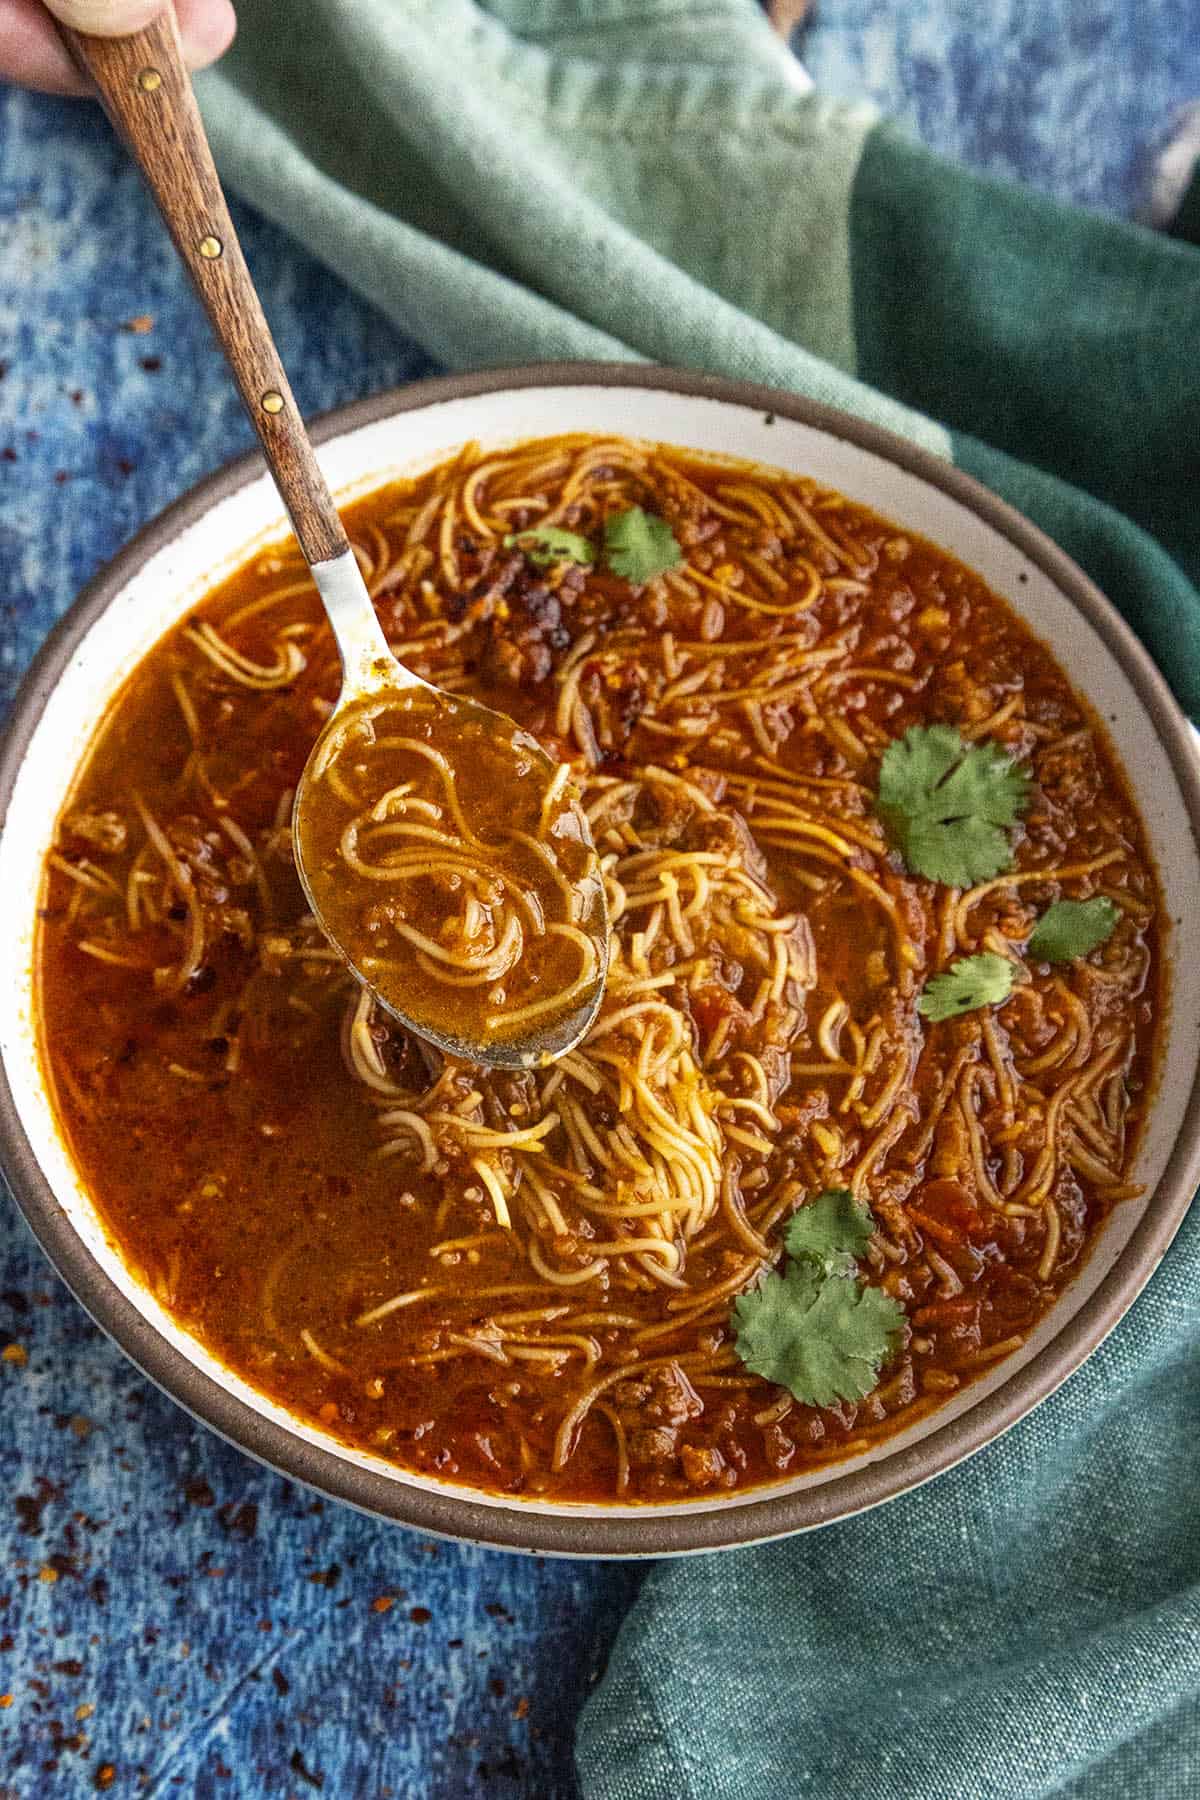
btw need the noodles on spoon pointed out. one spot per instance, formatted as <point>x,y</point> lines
<point>544,1281</point>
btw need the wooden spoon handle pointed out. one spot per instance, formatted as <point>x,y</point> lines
<point>148,96</point>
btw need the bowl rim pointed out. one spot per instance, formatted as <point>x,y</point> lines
<point>587,1532</point>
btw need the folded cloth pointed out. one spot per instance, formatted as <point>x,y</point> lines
<point>649,179</point>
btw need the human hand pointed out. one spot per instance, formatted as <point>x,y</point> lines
<point>32,53</point>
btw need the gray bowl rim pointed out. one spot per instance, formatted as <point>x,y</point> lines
<point>589,1532</point>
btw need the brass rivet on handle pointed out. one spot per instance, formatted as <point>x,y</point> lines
<point>148,80</point>
<point>272,401</point>
<point>210,248</point>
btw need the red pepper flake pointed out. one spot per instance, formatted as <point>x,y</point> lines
<point>383,1603</point>
<point>6,1700</point>
<point>298,1767</point>
<point>152,364</point>
<point>15,1353</point>
<point>30,1507</point>
<point>85,1711</point>
<point>239,1521</point>
<point>420,1615</point>
<point>521,1709</point>
<point>139,325</point>
<point>47,1574</point>
<point>106,1774</point>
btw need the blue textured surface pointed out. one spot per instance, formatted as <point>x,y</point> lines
<point>232,1636</point>
<point>1071,96</point>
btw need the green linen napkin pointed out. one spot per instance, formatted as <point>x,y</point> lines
<point>643,179</point>
<point>534,179</point>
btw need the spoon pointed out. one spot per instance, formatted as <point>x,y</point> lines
<point>148,96</point>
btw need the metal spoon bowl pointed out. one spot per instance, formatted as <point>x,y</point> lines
<point>370,671</point>
<point>148,96</point>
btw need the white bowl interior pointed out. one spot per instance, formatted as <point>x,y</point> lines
<point>176,578</point>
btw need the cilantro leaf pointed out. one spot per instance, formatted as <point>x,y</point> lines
<point>1071,928</point>
<point>949,804</point>
<point>823,1337</point>
<point>968,984</point>
<point>818,1329</point>
<point>548,544</point>
<point>639,545</point>
<point>833,1230</point>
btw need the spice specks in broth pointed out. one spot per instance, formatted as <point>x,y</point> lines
<point>836,1120</point>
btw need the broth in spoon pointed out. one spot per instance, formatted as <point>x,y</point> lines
<point>449,859</point>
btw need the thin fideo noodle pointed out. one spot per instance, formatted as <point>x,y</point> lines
<point>544,1271</point>
<point>449,862</point>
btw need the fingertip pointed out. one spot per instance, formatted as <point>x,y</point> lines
<point>31,52</point>
<point>207,28</point>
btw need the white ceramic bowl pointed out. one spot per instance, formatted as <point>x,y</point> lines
<point>167,569</point>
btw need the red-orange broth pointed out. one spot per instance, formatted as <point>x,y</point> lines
<point>449,859</point>
<point>523,1282</point>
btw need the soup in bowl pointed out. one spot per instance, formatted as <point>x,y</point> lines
<point>878,1126</point>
